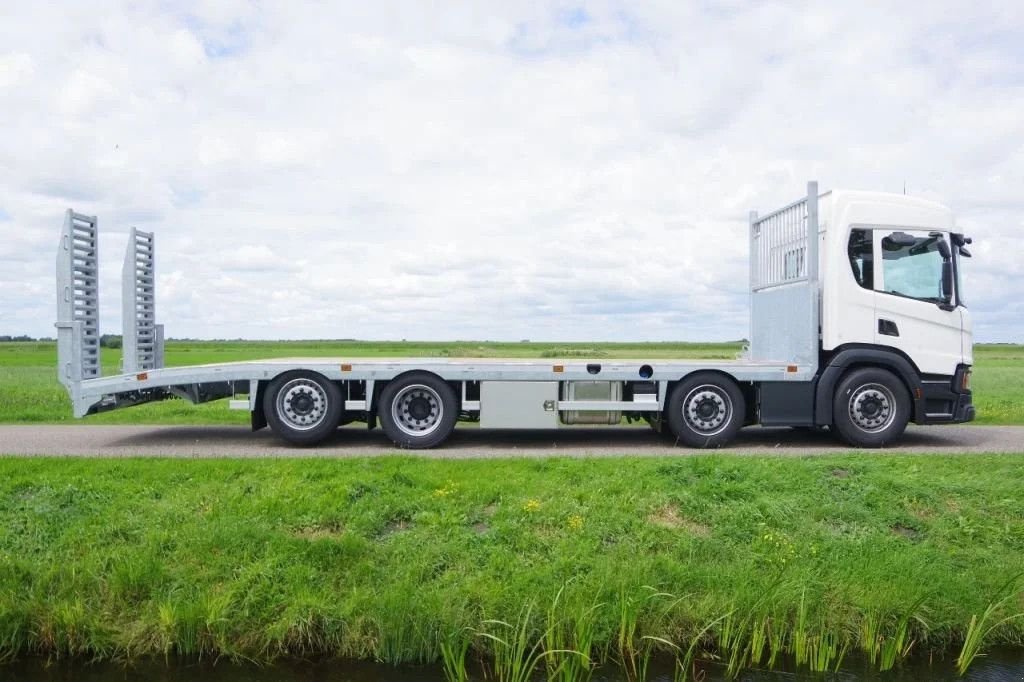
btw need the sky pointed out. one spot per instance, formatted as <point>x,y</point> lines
<point>489,170</point>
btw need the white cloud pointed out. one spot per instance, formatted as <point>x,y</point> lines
<point>15,68</point>
<point>496,170</point>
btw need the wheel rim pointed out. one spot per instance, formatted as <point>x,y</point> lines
<point>707,410</point>
<point>872,408</point>
<point>417,410</point>
<point>302,404</point>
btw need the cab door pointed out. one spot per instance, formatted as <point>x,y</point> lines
<point>914,302</point>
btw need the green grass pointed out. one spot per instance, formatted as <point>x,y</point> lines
<point>31,392</point>
<point>998,383</point>
<point>390,558</point>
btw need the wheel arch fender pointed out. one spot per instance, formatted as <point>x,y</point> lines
<point>297,371</point>
<point>406,373</point>
<point>258,416</point>
<point>851,357</point>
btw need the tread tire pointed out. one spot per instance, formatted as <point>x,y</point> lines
<point>449,410</point>
<point>711,383</point>
<point>332,410</point>
<point>861,380</point>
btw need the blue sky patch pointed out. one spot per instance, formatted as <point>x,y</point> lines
<point>219,42</point>
<point>576,17</point>
<point>233,40</point>
<point>188,197</point>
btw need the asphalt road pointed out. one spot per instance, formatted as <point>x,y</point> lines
<point>237,441</point>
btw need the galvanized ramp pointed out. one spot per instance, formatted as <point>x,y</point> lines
<point>78,302</point>
<point>143,338</point>
<point>78,321</point>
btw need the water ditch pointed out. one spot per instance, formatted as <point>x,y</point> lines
<point>999,665</point>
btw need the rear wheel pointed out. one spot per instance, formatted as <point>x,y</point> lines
<point>871,408</point>
<point>706,410</point>
<point>418,410</point>
<point>302,407</point>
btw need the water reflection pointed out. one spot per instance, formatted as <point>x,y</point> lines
<point>1002,665</point>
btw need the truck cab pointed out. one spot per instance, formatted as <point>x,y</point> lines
<point>890,279</point>
<point>870,310</point>
<point>891,287</point>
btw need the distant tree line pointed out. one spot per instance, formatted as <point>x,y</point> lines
<point>6,338</point>
<point>106,340</point>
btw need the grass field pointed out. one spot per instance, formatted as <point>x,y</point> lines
<point>30,392</point>
<point>399,559</point>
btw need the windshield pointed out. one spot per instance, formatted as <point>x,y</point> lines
<point>914,266</point>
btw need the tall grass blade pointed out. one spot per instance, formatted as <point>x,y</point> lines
<point>978,630</point>
<point>453,655</point>
<point>573,636</point>
<point>515,659</point>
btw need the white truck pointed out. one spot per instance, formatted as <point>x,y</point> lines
<point>857,324</point>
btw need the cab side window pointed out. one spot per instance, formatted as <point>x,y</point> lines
<point>861,259</point>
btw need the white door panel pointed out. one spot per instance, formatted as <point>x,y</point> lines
<point>851,317</point>
<point>929,335</point>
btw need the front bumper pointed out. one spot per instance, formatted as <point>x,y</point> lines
<point>947,400</point>
<point>965,410</point>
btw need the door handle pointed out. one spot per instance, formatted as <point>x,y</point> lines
<point>888,328</point>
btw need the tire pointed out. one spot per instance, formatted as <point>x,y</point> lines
<point>303,407</point>
<point>418,410</point>
<point>706,410</point>
<point>871,408</point>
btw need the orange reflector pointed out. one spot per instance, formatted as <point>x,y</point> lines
<point>919,392</point>
<point>142,376</point>
<point>791,368</point>
<point>558,368</point>
<point>346,368</point>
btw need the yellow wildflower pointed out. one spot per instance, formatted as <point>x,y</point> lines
<point>449,488</point>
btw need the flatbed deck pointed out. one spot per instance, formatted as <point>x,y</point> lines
<point>186,381</point>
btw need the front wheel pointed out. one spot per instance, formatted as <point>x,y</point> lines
<point>871,408</point>
<point>706,410</point>
<point>418,410</point>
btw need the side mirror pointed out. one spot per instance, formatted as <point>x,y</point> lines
<point>959,241</point>
<point>947,284</point>
<point>943,249</point>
